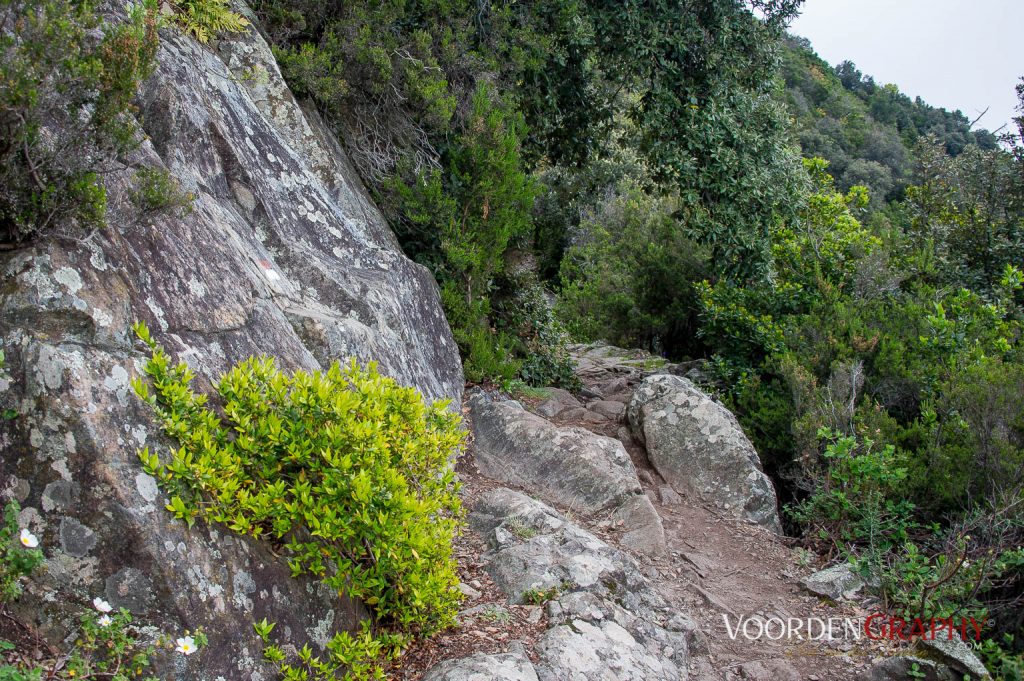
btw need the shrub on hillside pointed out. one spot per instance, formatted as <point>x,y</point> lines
<point>345,470</point>
<point>66,84</point>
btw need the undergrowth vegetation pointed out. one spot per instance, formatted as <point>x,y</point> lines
<point>345,471</point>
<point>105,645</point>
<point>579,170</point>
<point>67,79</point>
<point>206,19</point>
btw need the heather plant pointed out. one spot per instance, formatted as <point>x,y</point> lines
<point>67,79</point>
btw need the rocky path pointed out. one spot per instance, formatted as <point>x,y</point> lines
<point>716,565</point>
<point>587,561</point>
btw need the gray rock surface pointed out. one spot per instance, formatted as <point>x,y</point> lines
<point>906,668</point>
<point>608,408</point>
<point>957,655</point>
<point>569,466</point>
<point>642,529</point>
<point>699,448</point>
<point>836,582</point>
<point>558,401</point>
<point>606,620</point>
<point>511,666</point>
<point>283,253</point>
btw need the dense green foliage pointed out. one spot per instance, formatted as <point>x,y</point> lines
<point>67,79</point>
<point>451,109</point>
<point>876,363</point>
<point>346,471</point>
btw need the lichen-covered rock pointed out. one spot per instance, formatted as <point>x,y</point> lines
<point>956,655</point>
<point>558,400</point>
<point>605,620</point>
<point>511,666</point>
<point>838,581</point>
<point>697,445</point>
<point>569,466</point>
<point>282,254</point>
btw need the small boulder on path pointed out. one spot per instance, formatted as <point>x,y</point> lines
<point>697,445</point>
<point>836,582</point>
<point>569,466</point>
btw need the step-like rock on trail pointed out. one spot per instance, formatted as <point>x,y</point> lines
<point>570,466</point>
<point>604,617</point>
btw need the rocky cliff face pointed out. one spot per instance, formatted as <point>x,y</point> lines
<point>283,253</point>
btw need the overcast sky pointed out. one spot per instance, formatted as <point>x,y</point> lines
<point>956,54</point>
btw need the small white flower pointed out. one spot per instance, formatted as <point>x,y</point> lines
<point>101,605</point>
<point>28,539</point>
<point>186,646</point>
<point>104,621</point>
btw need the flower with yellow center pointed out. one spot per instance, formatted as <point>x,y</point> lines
<point>101,605</point>
<point>186,645</point>
<point>28,539</point>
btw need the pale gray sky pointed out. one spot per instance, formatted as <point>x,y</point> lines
<point>956,54</point>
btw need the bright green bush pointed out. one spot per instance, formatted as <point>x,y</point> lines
<point>67,80</point>
<point>346,471</point>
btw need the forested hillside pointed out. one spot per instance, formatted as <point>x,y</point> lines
<point>840,265</point>
<point>697,183</point>
<point>867,131</point>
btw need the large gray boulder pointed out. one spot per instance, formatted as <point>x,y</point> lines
<point>283,253</point>
<point>697,445</point>
<point>570,466</point>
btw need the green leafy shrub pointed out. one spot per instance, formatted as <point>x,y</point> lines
<point>542,342</point>
<point>999,659</point>
<point>857,498</point>
<point>350,657</point>
<point>156,189</point>
<point>66,84</point>
<point>206,19</point>
<point>346,471</point>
